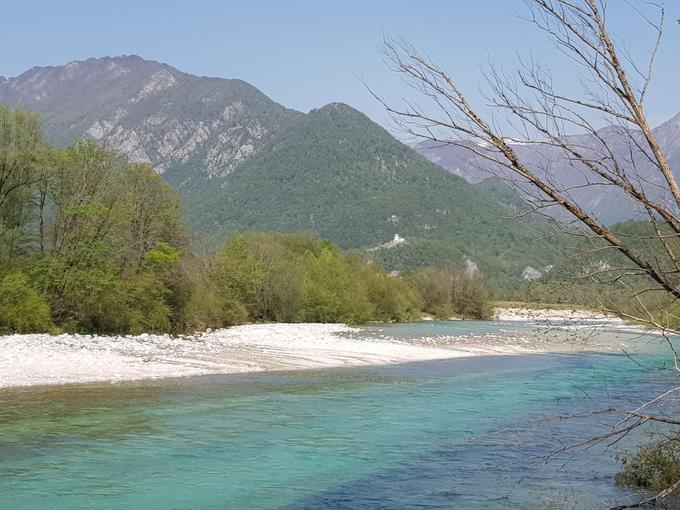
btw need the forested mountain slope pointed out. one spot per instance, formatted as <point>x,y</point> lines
<point>243,162</point>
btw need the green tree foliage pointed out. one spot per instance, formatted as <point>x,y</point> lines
<point>336,174</point>
<point>394,300</point>
<point>286,277</point>
<point>447,293</point>
<point>200,300</point>
<point>333,292</point>
<point>22,308</point>
<point>96,238</point>
<point>81,287</point>
<point>151,213</point>
<point>92,243</point>
<point>22,150</point>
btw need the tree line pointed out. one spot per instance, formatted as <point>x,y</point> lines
<point>92,243</point>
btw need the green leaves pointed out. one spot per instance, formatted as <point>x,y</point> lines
<point>286,277</point>
<point>22,308</point>
<point>332,292</point>
<point>150,212</point>
<point>447,293</point>
<point>339,176</point>
<point>162,259</point>
<point>96,235</point>
<point>654,466</point>
<point>22,149</point>
<point>97,244</point>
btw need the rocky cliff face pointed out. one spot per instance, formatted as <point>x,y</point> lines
<point>151,112</point>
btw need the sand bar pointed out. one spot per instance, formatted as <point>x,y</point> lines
<point>41,359</point>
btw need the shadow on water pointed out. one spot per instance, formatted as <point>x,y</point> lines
<point>514,466</point>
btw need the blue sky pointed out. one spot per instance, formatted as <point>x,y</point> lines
<point>304,53</point>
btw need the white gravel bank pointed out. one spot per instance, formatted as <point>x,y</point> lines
<point>551,314</point>
<point>27,360</point>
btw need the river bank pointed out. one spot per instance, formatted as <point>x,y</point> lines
<point>40,359</point>
<point>27,360</point>
<point>548,313</point>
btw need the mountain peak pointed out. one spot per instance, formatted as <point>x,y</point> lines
<point>130,60</point>
<point>668,136</point>
<point>672,122</point>
<point>89,62</point>
<point>340,113</point>
<point>337,107</point>
<point>149,111</point>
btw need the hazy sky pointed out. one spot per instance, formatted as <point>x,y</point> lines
<point>305,54</point>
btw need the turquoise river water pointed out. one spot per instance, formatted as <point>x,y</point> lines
<point>458,434</point>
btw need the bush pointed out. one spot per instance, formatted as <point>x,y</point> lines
<point>654,466</point>
<point>284,277</point>
<point>447,293</point>
<point>265,273</point>
<point>332,292</point>
<point>200,301</point>
<point>207,308</point>
<point>142,305</point>
<point>92,288</point>
<point>22,308</point>
<point>394,300</point>
<point>84,295</point>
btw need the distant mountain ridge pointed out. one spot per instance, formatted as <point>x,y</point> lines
<point>606,203</point>
<point>244,162</point>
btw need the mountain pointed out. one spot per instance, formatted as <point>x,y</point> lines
<point>338,174</point>
<point>243,162</point>
<point>668,136</point>
<point>603,201</point>
<point>150,111</point>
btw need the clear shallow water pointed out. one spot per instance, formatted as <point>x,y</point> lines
<point>449,434</point>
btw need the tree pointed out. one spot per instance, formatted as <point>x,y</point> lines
<point>21,150</point>
<point>151,210</point>
<point>85,193</point>
<point>446,293</point>
<point>527,105</point>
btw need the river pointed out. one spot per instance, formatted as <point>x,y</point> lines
<point>469,433</point>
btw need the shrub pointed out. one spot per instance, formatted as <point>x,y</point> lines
<point>83,296</point>
<point>452,292</point>
<point>394,300</point>
<point>143,305</point>
<point>199,301</point>
<point>332,292</point>
<point>163,259</point>
<point>654,466</point>
<point>207,308</point>
<point>22,308</point>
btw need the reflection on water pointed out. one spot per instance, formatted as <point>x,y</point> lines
<point>449,434</point>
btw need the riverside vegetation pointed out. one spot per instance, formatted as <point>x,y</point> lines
<point>92,243</point>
